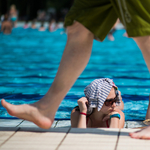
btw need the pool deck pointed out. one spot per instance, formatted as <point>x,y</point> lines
<point>18,134</point>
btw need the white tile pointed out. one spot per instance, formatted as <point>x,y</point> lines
<point>86,147</point>
<point>127,143</point>
<point>4,135</point>
<point>63,123</point>
<point>10,122</point>
<point>90,138</point>
<point>31,124</point>
<point>125,124</point>
<point>28,124</point>
<point>31,147</point>
<point>36,140</point>
<point>134,124</point>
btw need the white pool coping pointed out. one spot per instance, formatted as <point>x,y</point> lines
<point>17,134</point>
<point>56,123</point>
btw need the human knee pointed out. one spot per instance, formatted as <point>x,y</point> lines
<point>142,40</point>
<point>78,30</point>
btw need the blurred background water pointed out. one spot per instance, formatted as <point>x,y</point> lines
<point>30,59</point>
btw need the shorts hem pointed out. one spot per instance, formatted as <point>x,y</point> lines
<point>96,37</point>
<point>138,32</point>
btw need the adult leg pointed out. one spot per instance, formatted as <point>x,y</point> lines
<point>75,58</point>
<point>148,110</point>
<point>144,45</point>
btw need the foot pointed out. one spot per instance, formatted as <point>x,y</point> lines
<point>38,113</point>
<point>142,134</point>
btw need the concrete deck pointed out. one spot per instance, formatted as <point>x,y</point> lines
<point>23,135</point>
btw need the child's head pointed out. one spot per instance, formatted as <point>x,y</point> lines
<point>102,93</point>
<point>111,101</point>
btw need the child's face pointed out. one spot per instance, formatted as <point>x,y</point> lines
<point>110,108</point>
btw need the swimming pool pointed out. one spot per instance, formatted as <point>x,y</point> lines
<point>29,62</point>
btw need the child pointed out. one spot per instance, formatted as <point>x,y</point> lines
<point>101,106</point>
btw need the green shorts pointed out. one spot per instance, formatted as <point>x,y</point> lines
<point>99,16</point>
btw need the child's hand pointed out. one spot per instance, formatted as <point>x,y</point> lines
<point>82,102</point>
<point>108,116</point>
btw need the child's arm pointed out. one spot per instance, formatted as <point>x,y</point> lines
<point>83,110</point>
<point>78,118</point>
<point>115,122</point>
<point>82,121</point>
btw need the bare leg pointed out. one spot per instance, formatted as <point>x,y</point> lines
<point>144,45</point>
<point>75,58</point>
<point>148,111</point>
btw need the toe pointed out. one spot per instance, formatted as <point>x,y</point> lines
<point>3,102</point>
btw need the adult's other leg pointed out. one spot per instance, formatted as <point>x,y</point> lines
<point>148,110</point>
<point>144,45</point>
<point>75,58</point>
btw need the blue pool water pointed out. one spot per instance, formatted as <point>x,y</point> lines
<point>29,62</point>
